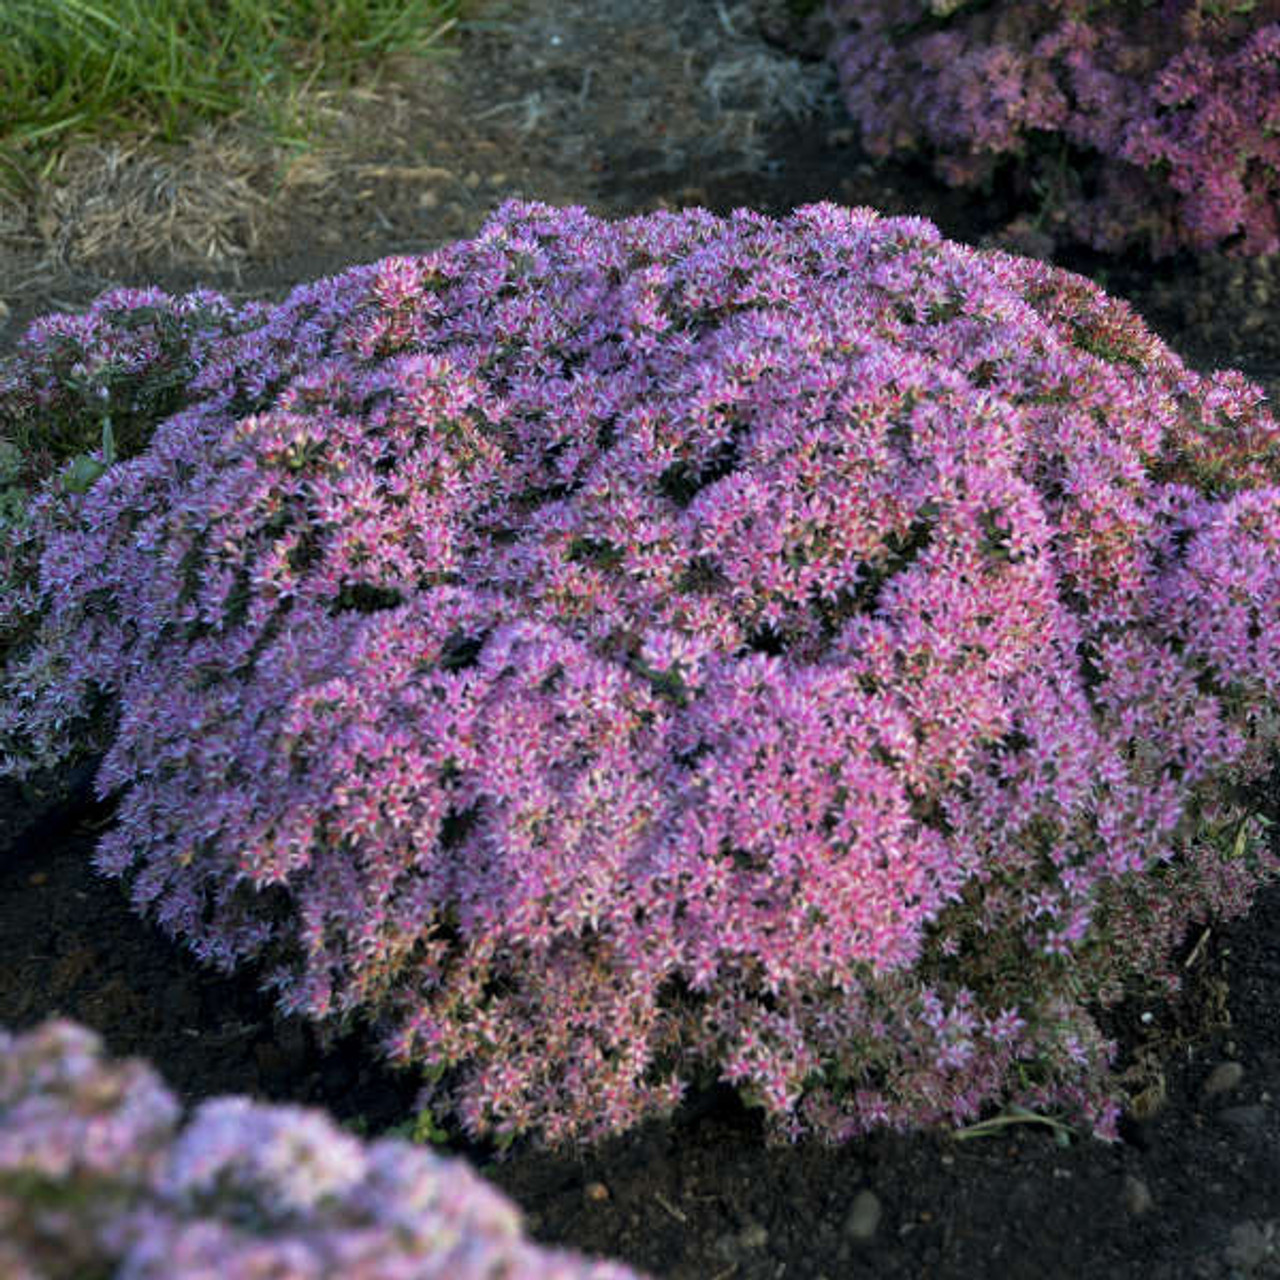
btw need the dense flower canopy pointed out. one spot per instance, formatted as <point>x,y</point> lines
<point>605,656</point>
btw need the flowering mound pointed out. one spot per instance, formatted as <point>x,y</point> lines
<point>98,1177</point>
<point>1172,110</point>
<point>603,656</point>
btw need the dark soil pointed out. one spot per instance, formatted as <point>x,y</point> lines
<point>624,108</point>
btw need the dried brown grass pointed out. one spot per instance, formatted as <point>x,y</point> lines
<point>218,198</point>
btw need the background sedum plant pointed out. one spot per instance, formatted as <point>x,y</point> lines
<point>1141,123</point>
<point>105,378</point>
<point>605,657</point>
<point>101,1174</point>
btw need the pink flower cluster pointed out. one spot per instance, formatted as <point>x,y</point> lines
<point>1153,125</point>
<point>98,1176</point>
<point>600,657</point>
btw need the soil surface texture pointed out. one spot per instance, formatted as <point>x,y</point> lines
<point>625,108</point>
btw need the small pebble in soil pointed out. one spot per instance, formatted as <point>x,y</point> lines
<point>1223,1078</point>
<point>1137,1196</point>
<point>1252,1243</point>
<point>1243,1119</point>
<point>864,1217</point>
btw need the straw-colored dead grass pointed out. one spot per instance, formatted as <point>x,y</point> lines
<point>220,197</point>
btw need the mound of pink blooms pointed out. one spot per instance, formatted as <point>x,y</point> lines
<point>100,1176</point>
<point>604,657</point>
<point>1172,108</point>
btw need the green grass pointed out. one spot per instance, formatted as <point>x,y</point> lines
<point>100,67</point>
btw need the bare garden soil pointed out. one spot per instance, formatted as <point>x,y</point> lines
<point>624,108</point>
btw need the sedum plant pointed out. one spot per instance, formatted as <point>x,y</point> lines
<point>108,377</point>
<point>102,1175</point>
<point>1132,124</point>
<point>603,657</point>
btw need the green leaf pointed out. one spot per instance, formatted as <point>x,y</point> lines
<point>83,470</point>
<point>81,474</point>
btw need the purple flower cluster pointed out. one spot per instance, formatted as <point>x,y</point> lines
<point>1173,108</point>
<point>601,657</point>
<point>99,1176</point>
<point>126,362</point>
<point>130,356</point>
